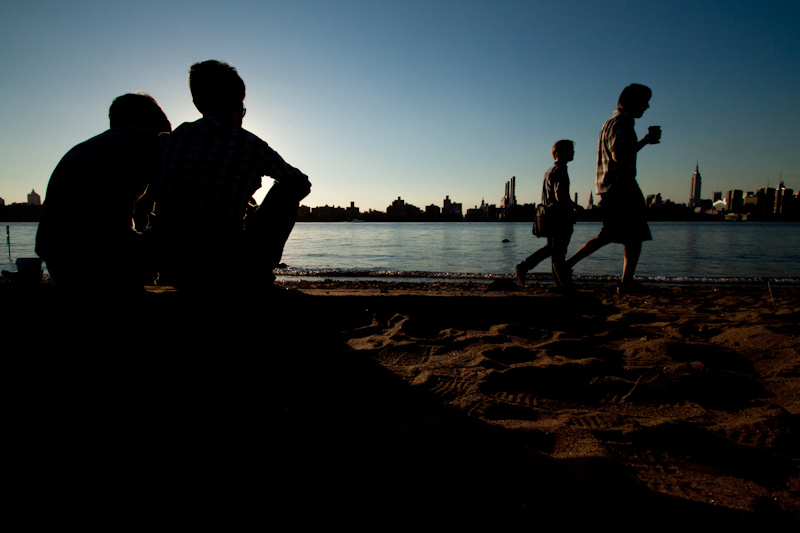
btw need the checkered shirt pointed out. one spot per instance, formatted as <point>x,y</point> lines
<point>209,172</point>
<point>618,135</point>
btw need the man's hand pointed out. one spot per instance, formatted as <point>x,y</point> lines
<point>653,135</point>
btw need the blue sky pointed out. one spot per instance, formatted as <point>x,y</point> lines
<point>422,99</point>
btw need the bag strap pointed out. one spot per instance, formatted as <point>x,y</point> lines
<point>544,191</point>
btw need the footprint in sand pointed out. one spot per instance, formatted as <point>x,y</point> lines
<point>404,355</point>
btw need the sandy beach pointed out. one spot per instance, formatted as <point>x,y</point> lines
<point>379,405</point>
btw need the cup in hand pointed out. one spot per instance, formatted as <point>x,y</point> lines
<point>655,134</point>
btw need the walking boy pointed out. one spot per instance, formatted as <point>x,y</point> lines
<point>561,217</point>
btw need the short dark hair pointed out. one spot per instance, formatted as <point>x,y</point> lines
<point>138,110</point>
<point>634,94</point>
<point>216,87</point>
<point>559,146</point>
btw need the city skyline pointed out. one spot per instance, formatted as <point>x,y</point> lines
<point>510,188</point>
<point>764,203</point>
<point>734,199</point>
<point>508,198</point>
<point>421,99</point>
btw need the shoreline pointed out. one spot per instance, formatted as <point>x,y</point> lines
<point>538,278</point>
<point>425,280</point>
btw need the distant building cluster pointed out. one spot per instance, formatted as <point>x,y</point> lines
<point>398,210</point>
<point>765,203</point>
<point>509,210</point>
<point>30,211</point>
<point>401,209</point>
<point>328,213</point>
<point>768,203</point>
<point>33,199</point>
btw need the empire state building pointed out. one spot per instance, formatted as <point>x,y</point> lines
<point>694,195</point>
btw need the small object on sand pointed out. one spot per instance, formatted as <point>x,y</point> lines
<point>29,269</point>
<point>506,240</point>
<point>502,285</point>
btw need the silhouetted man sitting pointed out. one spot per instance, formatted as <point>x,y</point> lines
<point>208,233</point>
<point>87,235</point>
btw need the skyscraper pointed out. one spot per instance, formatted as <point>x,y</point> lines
<point>766,201</point>
<point>694,195</point>
<point>735,201</point>
<point>509,198</point>
<point>34,198</point>
<point>783,200</point>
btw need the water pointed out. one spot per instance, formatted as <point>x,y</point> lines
<point>679,252</point>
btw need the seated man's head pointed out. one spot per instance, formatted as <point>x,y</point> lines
<point>138,111</point>
<point>635,99</point>
<point>564,150</point>
<point>217,90</point>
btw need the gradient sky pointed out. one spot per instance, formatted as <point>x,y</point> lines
<point>422,99</point>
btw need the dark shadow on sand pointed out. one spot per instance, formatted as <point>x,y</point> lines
<point>179,405</point>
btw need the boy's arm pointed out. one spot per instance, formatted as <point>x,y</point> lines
<point>562,197</point>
